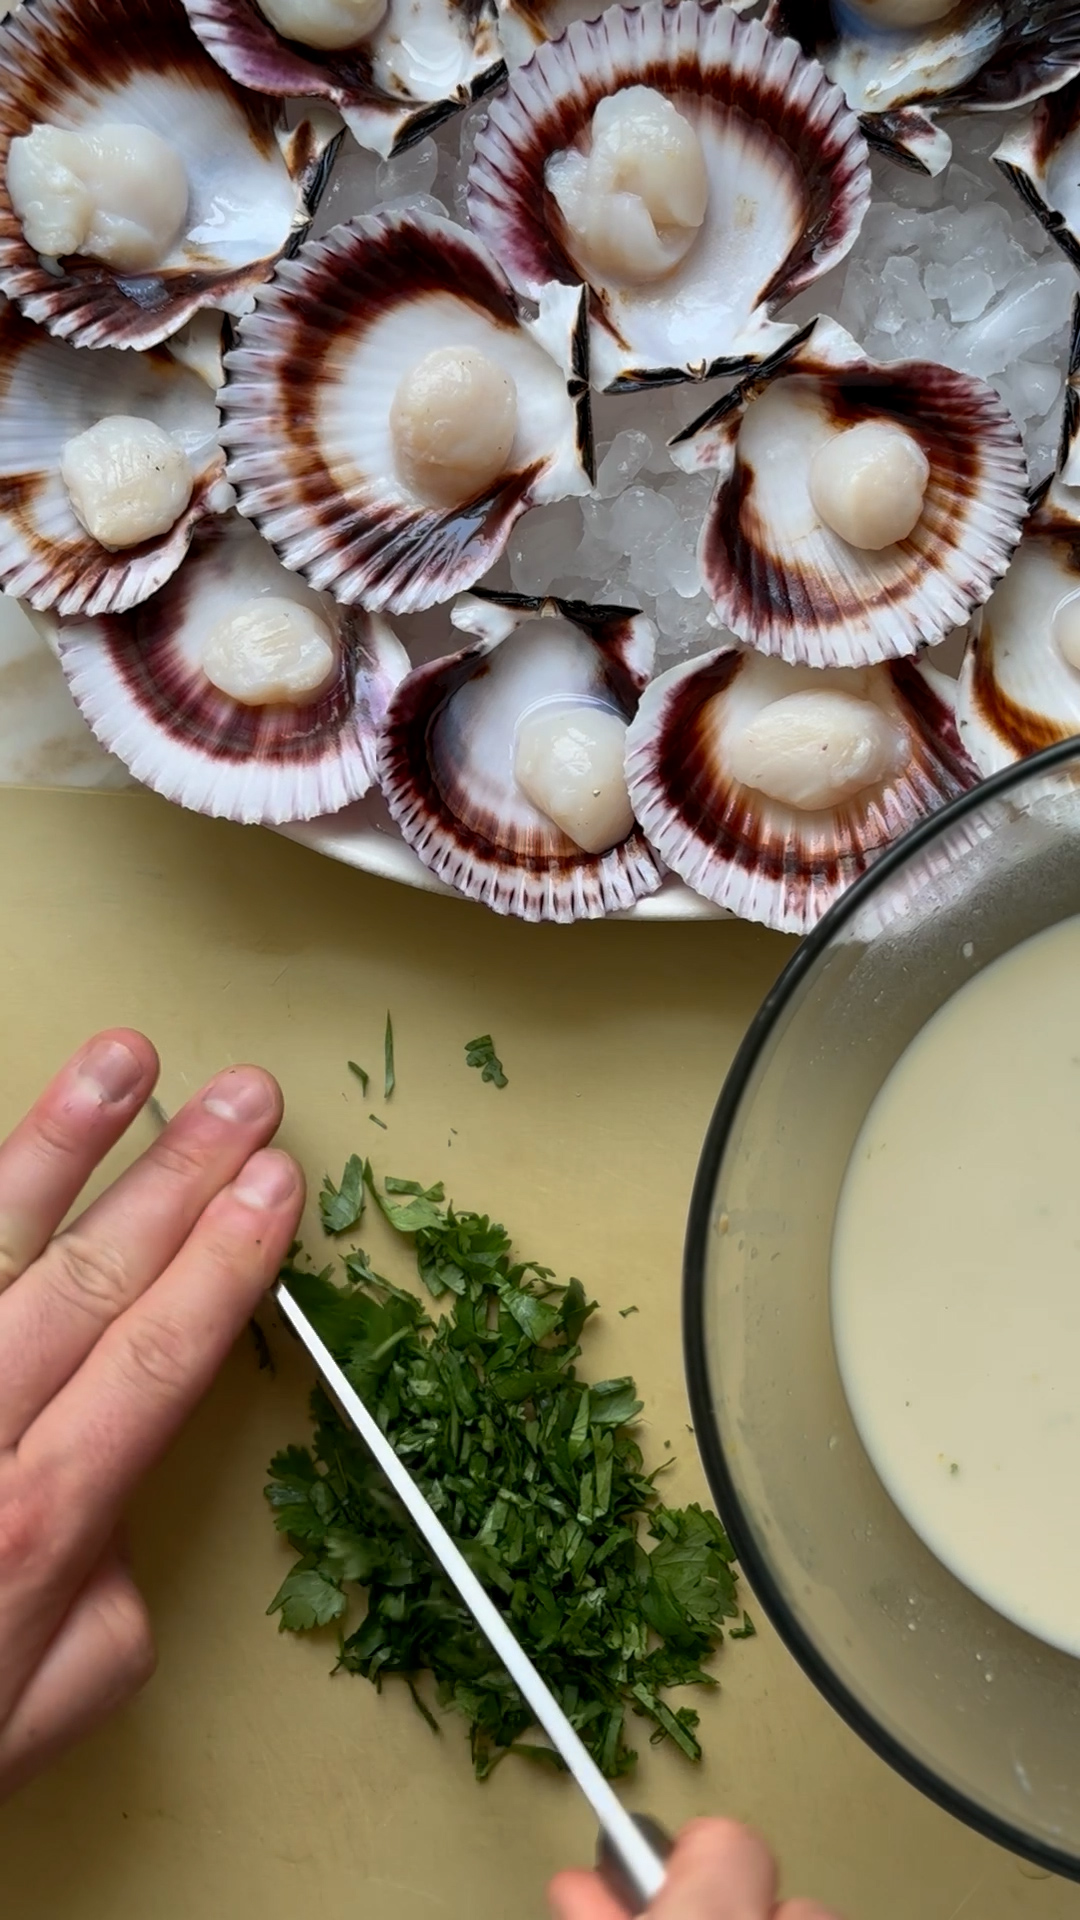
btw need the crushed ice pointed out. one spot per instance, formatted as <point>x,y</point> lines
<point>953,269</point>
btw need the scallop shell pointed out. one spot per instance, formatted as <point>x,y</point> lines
<point>525,25</point>
<point>307,401</point>
<point>786,584</point>
<point>760,858</point>
<point>1017,691</point>
<point>138,681</point>
<point>387,96</point>
<point>982,56</point>
<point>49,392</point>
<point>788,171</point>
<point>1041,159</point>
<point>254,183</point>
<point>447,775</point>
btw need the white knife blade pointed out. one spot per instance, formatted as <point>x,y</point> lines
<point>641,1863</point>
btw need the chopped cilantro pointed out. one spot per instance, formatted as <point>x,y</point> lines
<point>536,1472</point>
<point>747,1631</point>
<point>625,1312</point>
<point>389,1079</point>
<point>378,1122</point>
<point>360,1074</point>
<point>342,1207</point>
<point>481,1053</point>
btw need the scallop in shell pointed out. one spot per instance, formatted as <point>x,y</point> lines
<point>412,65</point>
<point>861,511</point>
<point>389,413</point>
<point>237,691</point>
<point>693,170</point>
<point>503,764</point>
<point>901,62</point>
<point>1019,685</point>
<point>769,788</point>
<point>55,404</point>
<point>127,80</point>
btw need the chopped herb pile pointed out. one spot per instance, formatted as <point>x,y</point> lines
<point>481,1053</point>
<point>535,1472</point>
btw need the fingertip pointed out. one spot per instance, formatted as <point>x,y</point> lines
<point>713,1852</point>
<point>270,1182</point>
<point>117,1067</point>
<point>575,1895</point>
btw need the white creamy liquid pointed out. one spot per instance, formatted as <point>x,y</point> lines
<point>956,1285</point>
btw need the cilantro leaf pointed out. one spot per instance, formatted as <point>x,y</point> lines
<point>360,1074</point>
<point>538,1475</point>
<point>389,1077</point>
<point>481,1053</point>
<point>342,1207</point>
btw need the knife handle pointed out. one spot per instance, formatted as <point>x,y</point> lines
<point>614,1874</point>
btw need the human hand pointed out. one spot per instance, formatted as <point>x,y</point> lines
<point>110,1333</point>
<point>718,1871</point>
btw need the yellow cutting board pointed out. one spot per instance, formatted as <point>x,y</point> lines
<point>246,1781</point>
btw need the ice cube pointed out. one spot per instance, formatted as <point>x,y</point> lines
<point>623,461</point>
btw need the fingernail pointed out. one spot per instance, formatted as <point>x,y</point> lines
<point>112,1070</point>
<point>268,1180</point>
<point>239,1096</point>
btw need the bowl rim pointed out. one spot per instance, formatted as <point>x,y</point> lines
<point>705,1425</point>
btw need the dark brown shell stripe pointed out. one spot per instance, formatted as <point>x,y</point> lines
<point>773,600</point>
<point>360,549</point>
<point>548,107</point>
<point>247,47</point>
<point>56,52</point>
<point>708,826</point>
<point>1037,47</point>
<point>465,844</point>
<point>79,576</point>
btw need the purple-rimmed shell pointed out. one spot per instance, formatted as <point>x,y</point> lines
<point>756,852</point>
<point>386,93</point>
<point>307,405</point>
<point>977,56</point>
<point>50,393</point>
<point>138,680</point>
<point>446,756</point>
<point>789,585</point>
<point>254,183</point>
<point>788,184</point>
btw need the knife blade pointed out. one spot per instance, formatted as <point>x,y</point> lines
<point>636,1853</point>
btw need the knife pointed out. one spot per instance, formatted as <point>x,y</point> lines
<point>632,1853</point>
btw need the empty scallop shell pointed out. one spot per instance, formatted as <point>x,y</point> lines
<point>762,857</point>
<point>254,183</point>
<point>138,680</point>
<point>306,408</point>
<point>49,393</point>
<point>1041,159</point>
<point>979,56</point>
<point>789,184</point>
<point>425,61</point>
<point>785,583</point>
<point>446,756</point>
